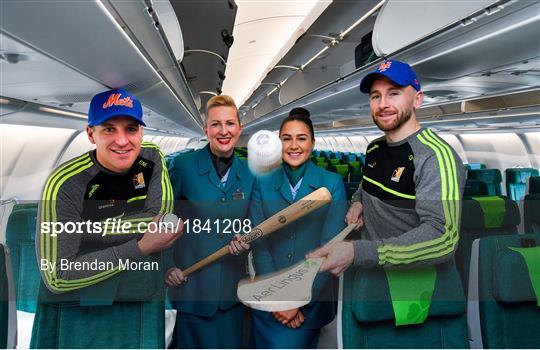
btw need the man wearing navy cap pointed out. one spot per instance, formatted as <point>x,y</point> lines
<point>98,256</point>
<point>408,203</point>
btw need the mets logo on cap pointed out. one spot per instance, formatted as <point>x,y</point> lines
<point>114,103</point>
<point>384,66</point>
<point>116,100</point>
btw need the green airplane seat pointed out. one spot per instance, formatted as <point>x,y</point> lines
<point>355,165</point>
<point>534,185</point>
<point>472,166</point>
<point>341,169</point>
<point>504,292</point>
<point>482,217</point>
<point>475,188</point>
<point>421,307</point>
<point>351,187</point>
<point>4,300</point>
<point>531,213</point>
<point>8,310</point>
<point>516,181</point>
<point>20,238</point>
<point>492,177</point>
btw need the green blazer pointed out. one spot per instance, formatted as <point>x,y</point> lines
<point>289,245</point>
<point>199,195</point>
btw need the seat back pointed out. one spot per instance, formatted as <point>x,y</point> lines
<point>482,217</point>
<point>475,188</point>
<point>534,185</point>
<point>492,177</point>
<point>343,170</point>
<point>4,300</point>
<point>508,304</point>
<point>473,166</point>
<point>8,312</point>
<point>351,187</point>
<point>531,213</point>
<point>20,238</point>
<point>355,165</point>
<point>368,313</point>
<point>362,158</point>
<point>350,157</point>
<point>516,181</point>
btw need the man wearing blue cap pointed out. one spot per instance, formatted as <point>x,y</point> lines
<point>98,244</point>
<point>408,203</point>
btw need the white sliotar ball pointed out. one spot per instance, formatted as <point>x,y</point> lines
<point>168,222</point>
<point>264,152</point>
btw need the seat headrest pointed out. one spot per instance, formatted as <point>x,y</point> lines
<point>470,166</point>
<point>490,212</point>
<point>488,175</point>
<point>475,188</point>
<point>519,175</point>
<point>22,225</point>
<point>534,184</point>
<point>511,278</point>
<point>372,302</point>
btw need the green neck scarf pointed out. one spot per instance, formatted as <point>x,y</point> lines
<point>295,175</point>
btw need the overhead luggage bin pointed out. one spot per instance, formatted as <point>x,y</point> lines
<point>125,48</point>
<point>482,32</point>
<point>389,34</point>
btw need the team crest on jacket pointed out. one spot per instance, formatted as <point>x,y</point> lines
<point>138,181</point>
<point>396,175</point>
<point>93,190</point>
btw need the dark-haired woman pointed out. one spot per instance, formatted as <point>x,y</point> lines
<point>296,178</point>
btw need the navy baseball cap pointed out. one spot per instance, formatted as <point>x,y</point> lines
<point>399,72</point>
<point>114,103</point>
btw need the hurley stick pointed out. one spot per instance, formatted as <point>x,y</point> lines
<point>286,289</point>
<point>293,212</point>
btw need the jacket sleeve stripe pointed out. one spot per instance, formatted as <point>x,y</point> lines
<point>446,242</point>
<point>49,244</point>
<point>48,201</point>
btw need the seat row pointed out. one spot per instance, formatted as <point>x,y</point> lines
<point>347,156</point>
<point>492,261</point>
<point>489,181</point>
<point>494,285</point>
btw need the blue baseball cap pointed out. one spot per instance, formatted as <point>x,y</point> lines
<point>114,103</point>
<point>398,72</point>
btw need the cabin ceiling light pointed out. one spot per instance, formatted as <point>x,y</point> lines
<point>208,52</point>
<point>287,66</point>
<point>273,90</point>
<point>302,67</point>
<point>208,93</point>
<point>361,19</point>
<point>62,112</point>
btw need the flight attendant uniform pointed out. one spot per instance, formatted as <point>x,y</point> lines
<point>209,313</point>
<point>289,245</point>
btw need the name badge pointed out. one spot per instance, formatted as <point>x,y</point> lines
<point>237,195</point>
